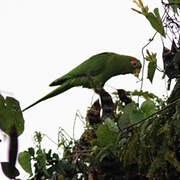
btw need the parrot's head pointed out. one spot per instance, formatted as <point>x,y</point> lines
<point>136,65</point>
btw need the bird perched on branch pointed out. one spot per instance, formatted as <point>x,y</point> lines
<point>94,72</point>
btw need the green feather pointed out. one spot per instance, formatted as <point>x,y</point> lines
<point>94,72</point>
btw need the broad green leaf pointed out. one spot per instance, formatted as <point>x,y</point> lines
<point>130,115</point>
<point>24,159</point>
<point>148,107</point>
<point>105,136</point>
<point>10,115</point>
<point>136,116</point>
<point>124,121</point>
<point>151,70</point>
<point>111,125</point>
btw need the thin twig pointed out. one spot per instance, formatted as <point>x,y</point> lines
<point>50,139</point>
<point>64,132</point>
<point>74,124</point>
<point>142,51</point>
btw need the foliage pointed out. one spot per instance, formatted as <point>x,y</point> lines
<point>151,57</point>
<point>10,113</point>
<point>107,150</point>
<point>12,123</point>
<point>153,17</point>
<point>167,25</point>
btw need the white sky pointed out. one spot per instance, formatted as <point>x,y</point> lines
<point>40,40</point>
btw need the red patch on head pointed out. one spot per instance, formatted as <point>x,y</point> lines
<point>131,59</point>
<point>133,63</point>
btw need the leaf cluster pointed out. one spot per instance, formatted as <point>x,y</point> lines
<point>115,149</point>
<point>11,123</point>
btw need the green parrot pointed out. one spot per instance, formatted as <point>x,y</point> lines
<point>94,72</point>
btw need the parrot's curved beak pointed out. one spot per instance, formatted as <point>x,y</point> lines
<point>136,72</point>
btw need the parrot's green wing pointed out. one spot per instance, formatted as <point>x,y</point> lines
<point>93,66</point>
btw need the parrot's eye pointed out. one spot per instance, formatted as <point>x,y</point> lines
<point>134,64</point>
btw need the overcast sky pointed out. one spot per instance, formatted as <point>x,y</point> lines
<point>40,40</point>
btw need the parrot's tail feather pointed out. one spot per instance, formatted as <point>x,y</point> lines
<point>53,93</point>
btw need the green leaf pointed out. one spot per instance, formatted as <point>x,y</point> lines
<point>136,116</point>
<point>111,125</point>
<point>156,12</point>
<point>24,159</point>
<point>124,121</point>
<point>10,115</point>
<point>151,70</point>
<point>105,136</point>
<point>148,107</point>
<point>130,115</point>
<point>155,21</point>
